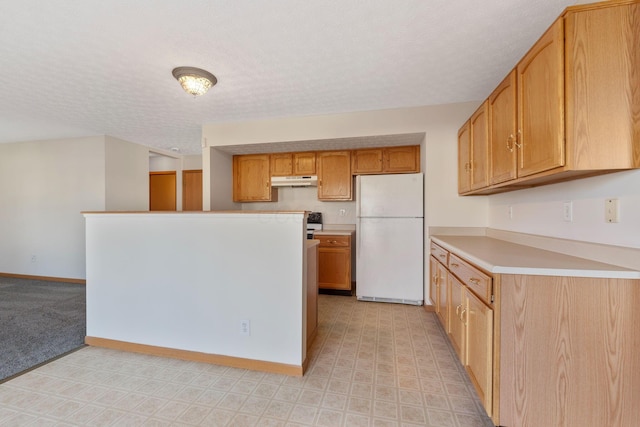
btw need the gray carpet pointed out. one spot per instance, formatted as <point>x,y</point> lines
<point>39,320</point>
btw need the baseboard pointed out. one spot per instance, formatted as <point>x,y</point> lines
<point>429,308</point>
<point>195,356</point>
<point>45,278</point>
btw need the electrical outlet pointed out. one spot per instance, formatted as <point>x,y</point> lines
<point>245,327</point>
<point>611,211</point>
<point>342,212</point>
<point>510,212</point>
<point>34,258</point>
<point>567,211</point>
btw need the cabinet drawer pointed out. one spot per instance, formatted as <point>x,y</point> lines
<point>439,253</point>
<point>330,241</point>
<point>473,278</point>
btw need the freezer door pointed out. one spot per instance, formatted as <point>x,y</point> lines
<point>389,258</point>
<point>399,195</point>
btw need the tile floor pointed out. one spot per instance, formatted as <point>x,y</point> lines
<point>372,364</point>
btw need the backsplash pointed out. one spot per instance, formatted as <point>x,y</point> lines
<point>306,198</point>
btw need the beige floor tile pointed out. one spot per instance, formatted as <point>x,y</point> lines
<point>371,364</point>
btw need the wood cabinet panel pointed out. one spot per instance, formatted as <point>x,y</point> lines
<point>540,88</point>
<point>304,163</point>
<point>478,362</point>
<point>479,148</point>
<point>404,159</point>
<point>366,161</point>
<point>569,352</point>
<point>457,329</point>
<point>252,179</point>
<point>281,164</point>
<point>334,175</point>
<point>293,164</point>
<point>464,159</point>
<point>503,146</point>
<point>334,262</point>
<point>603,100</point>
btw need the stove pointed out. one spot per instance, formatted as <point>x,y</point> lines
<point>314,223</point>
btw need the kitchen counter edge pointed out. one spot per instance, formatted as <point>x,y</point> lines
<point>499,256</point>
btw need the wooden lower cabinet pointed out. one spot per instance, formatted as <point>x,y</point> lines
<point>334,262</point>
<point>438,290</point>
<point>478,360</point>
<point>469,321</point>
<point>547,350</point>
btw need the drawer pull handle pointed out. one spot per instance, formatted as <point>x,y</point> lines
<point>442,256</point>
<point>453,264</point>
<point>457,310</point>
<point>464,318</point>
<point>474,280</point>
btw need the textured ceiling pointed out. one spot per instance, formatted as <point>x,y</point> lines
<point>77,68</point>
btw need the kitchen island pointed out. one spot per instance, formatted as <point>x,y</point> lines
<point>222,287</point>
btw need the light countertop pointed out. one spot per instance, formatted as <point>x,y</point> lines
<point>329,232</point>
<point>499,256</point>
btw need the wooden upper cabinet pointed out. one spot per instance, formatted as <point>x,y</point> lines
<point>368,160</point>
<point>334,175</point>
<point>401,159</point>
<point>293,164</point>
<point>464,159</point>
<point>304,163</point>
<point>281,164</point>
<point>602,49</point>
<point>479,147</point>
<point>252,179</point>
<point>503,147</point>
<point>576,103</point>
<point>540,87</point>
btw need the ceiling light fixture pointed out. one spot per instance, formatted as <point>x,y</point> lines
<point>194,80</point>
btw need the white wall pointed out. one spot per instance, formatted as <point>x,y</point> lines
<point>127,176</point>
<point>185,281</point>
<point>217,180</point>
<point>44,185</point>
<point>540,210</point>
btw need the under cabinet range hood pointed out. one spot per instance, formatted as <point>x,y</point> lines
<point>294,181</point>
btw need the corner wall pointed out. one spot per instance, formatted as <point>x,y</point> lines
<point>44,185</point>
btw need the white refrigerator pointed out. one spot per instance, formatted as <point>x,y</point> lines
<point>390,238</point>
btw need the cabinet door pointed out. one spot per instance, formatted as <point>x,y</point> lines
<point>334,175</point>
<point>402,159</point>
<point>541,104</point>
<point>478,319</point>
<point>502,131</point>
<point>441,296</point>
<point>334,268</point>
<point>433,284</point>
<point>304,163</point>
<point>366,161</point>
<point>251,178</point>
<point>281,164</point>
<point>464,159</point>
<point>479,127</point>
<point>456,307</point>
